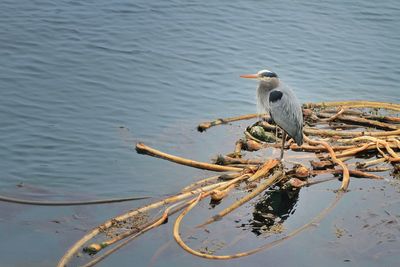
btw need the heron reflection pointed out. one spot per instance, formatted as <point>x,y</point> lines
<point>273,208</point>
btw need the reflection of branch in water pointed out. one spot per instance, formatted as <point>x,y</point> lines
<point>275,207</point>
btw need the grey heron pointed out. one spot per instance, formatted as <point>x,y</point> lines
<point>280,102</point>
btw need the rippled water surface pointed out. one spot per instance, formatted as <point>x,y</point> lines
<point>82,81</point>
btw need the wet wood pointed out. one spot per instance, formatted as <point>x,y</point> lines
<point>331,147</point>
<point>143,149</point>
<point>359,120</point>
<point>208,124</point>
<point>353,173</point>
<point>354,104</point>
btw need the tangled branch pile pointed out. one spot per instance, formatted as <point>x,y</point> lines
<point>346,139</point>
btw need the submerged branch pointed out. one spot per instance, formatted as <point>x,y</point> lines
<point>68,203</point>
<point>292,234</point>
<point>94,232</point>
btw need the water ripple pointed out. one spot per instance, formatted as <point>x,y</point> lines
<point>72,72</point>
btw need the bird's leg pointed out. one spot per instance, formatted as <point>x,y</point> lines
<point>283,144</point>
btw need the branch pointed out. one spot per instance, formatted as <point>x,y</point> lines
<point>143,149</point>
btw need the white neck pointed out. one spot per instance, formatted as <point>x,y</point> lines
<point>263,89</point>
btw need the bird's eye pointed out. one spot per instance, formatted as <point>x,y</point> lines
<point>269,74</point>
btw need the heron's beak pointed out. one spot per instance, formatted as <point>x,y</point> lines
<point>249,76</point>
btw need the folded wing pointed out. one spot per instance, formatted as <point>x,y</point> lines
<point>286,111</point>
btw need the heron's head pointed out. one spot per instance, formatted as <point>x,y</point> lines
<point>262,76</point>
<point>268,79</point>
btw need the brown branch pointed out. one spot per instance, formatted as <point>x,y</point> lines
<point>205,125</point>
<point>237,153</point>
<point>218,195</point>
<point>264,169</point>
<point>131,235</point>
<point>332,118</point>
<point>354,104</point>
<point>226,160</point>
<point>374,143</point>
<point>321,165</point>
<point>143,149</point>
<point>354,151</point>
<point>267,126</point>
<point>292,234</point>
<point>388,158</point>
<point>346,175</point>
<point>94,232</point>
<point>360,141</point>
<point>388,148</point>
<point>96,247</point>
<point>375,169</point>
<point>202,182</point>
<point>309,148</point>
<point>353,173</point>
<point>359,121</point>
<point>298,183</point>
<point>370,163</point>
<point>346,111</point>
<point>395,141</point>
<point>382,118</point>
<point>263,186</point>
<point>313,131</point>
<point>251,145</point>
<point>338,126</point>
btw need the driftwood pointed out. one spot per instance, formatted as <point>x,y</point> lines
<point>360,121</point>
<point>205,125</point>
<point>327,152</point>
<point>143,149</point>
<point>263,186</point>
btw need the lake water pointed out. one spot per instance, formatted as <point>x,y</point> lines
<point>82,81</point>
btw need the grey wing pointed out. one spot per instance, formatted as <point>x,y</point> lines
<point>286,111</point>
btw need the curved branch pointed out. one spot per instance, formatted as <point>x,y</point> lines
<point>346,174</point>
<point>297,231</point>
<point>79,244</point>
<point>68,203</point>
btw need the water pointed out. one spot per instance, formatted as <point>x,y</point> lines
<point>82,81</point>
